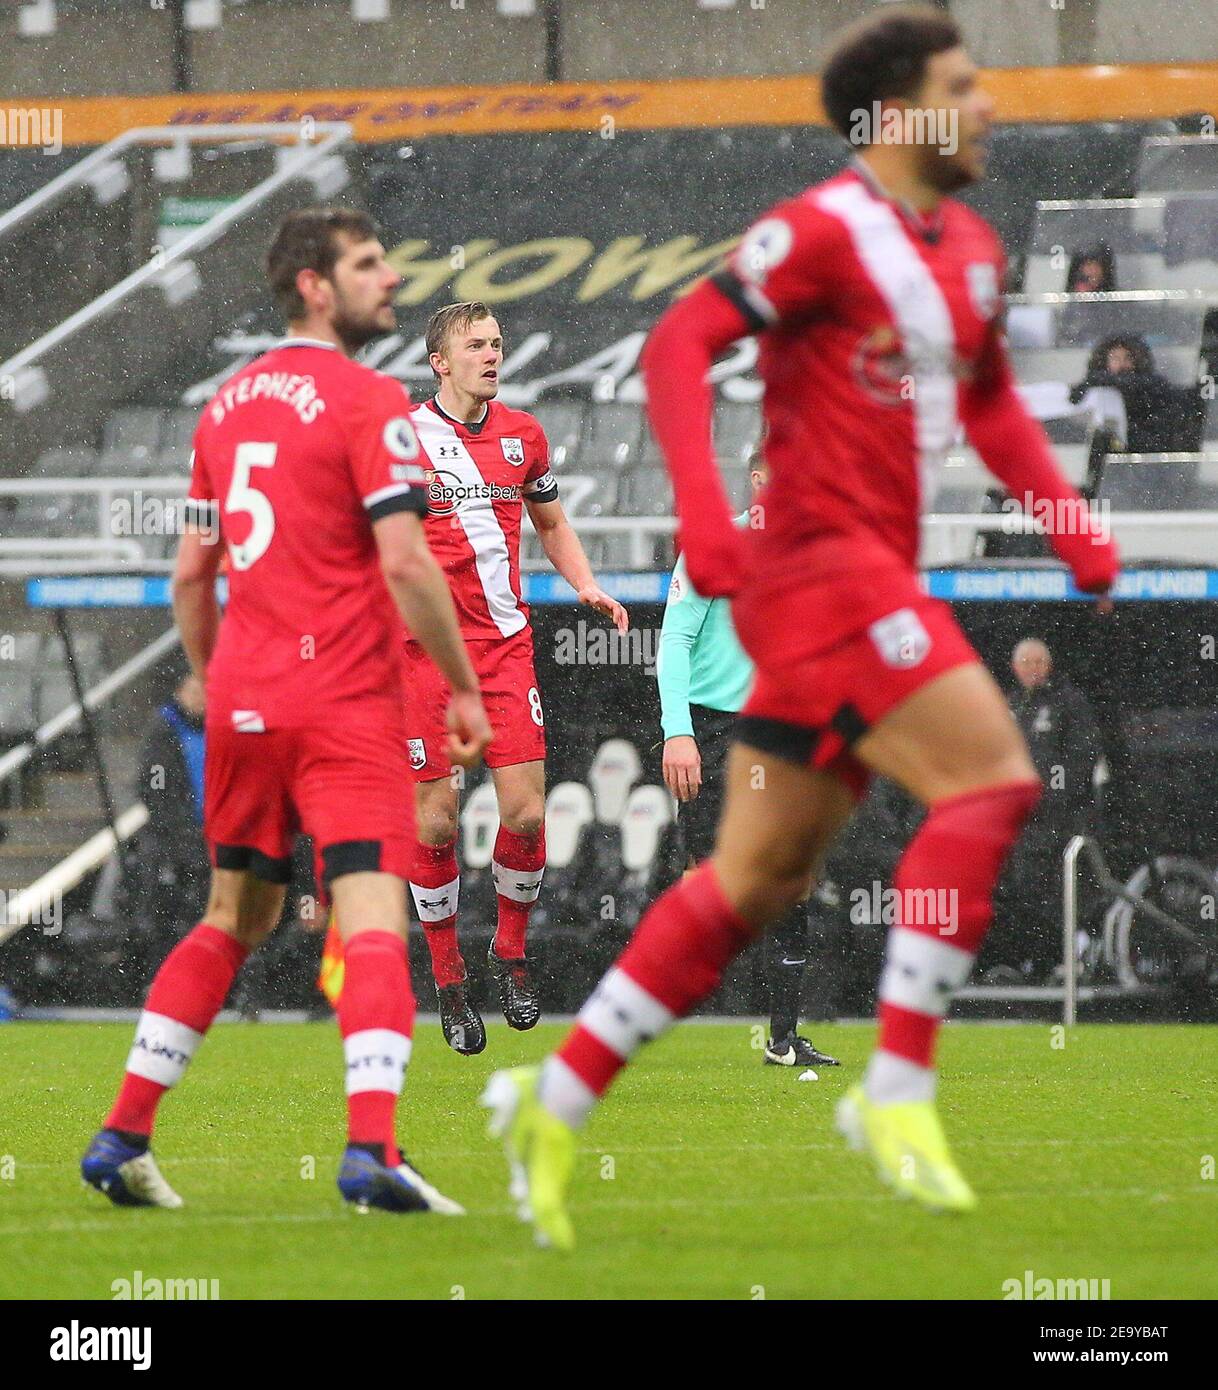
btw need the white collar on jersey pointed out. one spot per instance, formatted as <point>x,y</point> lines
<point>472,425</point>
<point>291,341</point>
<point>930,226</point>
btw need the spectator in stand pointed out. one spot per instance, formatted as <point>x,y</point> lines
<point>1063,739</point>
<point>1092,271</point>
<point>169,861</point>
<point>1161,417</point>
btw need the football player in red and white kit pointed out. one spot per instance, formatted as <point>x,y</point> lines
<point>488,463</point>
<point>876,298</point>
<point>311,467</point>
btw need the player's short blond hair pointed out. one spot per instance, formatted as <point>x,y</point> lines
<point>453,318</point>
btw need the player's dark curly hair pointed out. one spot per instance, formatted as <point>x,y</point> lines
<point>309,239</point>
<point>883,56</point>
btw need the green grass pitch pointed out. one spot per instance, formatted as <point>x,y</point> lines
<point>704,1174</point>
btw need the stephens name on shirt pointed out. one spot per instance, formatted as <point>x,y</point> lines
<point>300,392</point>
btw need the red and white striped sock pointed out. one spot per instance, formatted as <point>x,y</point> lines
<point>184,999</point>
<point>517,868</point>
<point>675,959</point>
<point>376,1020</point>
<point>945,886</point>
<point>435,885</point>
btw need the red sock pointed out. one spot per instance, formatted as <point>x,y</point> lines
<point>376,1020</point>
<point>435,884</point>
<point>519,862</point>
<point>945,884</point>
<point>185,997</point>
<point>675,959</point>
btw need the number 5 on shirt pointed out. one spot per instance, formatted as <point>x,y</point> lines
<point>244,497</point>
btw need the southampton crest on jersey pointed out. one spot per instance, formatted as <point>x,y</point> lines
<point>418,754</point>
<point>513,450</point>
<point>983,288</point>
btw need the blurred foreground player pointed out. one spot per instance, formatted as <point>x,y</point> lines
<point>877,300</point>
<point>703,675</point>
<point>312,470</point>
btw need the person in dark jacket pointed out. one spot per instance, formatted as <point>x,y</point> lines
<point>170,862</point>
<point>1063,739</point>
<point>1159,416</point>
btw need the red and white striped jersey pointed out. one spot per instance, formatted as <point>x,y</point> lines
<point>871,321</point>
<point>478,478</point>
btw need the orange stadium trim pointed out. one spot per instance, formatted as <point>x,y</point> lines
<point>1022,94</point>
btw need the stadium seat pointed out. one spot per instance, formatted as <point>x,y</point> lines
<point>77,462</point>
<point>737,431</point>
<point>645,492</point>
<point>1148,486</point>
<point>18,708</point>
<point>133,434</point>
<point>563,422</point>
<point>648,812</point>
<point>647,825</point>
<point>615,769</point>
<point>563,903</point>
<point>614,437</point>
<point>177,437</point>
<point>26,650</point>
<point>55,694</point>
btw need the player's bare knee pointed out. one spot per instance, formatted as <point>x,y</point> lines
<point>524,818</point>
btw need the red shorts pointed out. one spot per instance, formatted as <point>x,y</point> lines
<point>346,785</point>
<point>504,667</point>
<point>813,708</point>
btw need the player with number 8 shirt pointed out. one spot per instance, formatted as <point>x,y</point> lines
<point>487,464</point>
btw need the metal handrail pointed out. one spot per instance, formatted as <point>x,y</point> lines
<point>334,134</point>
<point>1086,844</point>
<point>81,171</point>
<point>97,696</point>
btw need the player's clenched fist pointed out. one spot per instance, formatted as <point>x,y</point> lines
<point>469,730</point>
<point>682,767</point>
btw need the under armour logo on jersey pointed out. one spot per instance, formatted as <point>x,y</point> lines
<point>448,451</point>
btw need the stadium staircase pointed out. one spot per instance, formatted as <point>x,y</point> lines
<point>105,336</point>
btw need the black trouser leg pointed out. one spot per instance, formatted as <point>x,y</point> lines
<point>786,956</point>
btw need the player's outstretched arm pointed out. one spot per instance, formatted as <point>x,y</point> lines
<point>676,362</point>
<point>566,553</point>
<point>195,607</point>
<point>1017,451</point>
<point>425,602</point>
